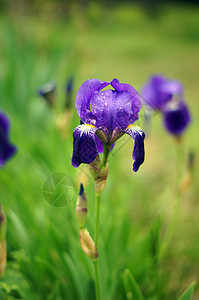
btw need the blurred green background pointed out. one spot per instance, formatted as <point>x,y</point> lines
<point>142,227</point>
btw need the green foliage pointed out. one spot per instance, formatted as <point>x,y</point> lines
<point>45,260</point>
<point>187,295</point>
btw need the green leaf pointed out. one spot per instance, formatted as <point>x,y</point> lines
<point>187,295</point>
<point>131,287</point>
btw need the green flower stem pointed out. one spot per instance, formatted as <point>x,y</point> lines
<point>97,280</point>
<point>97,216</point>
<point>177,196</point>
<point>105,156</point>
<point>96,261</point>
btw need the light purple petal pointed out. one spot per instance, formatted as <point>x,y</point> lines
<point>156,93</point>
<point>113,109</point>
<point>84,145</point>
<point>82,102</point>
<point>172,87</point>
<point>136,103</point>
<point>138,151</point>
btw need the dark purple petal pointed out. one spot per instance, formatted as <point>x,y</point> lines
<point>177,119</point>
<point>158,91</point>
<point>84,145</point>
<point>82,102</point>
<point>7,150</point>
<point>138,151</point>
<point>136,101</point>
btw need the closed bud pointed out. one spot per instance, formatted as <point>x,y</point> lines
<point>81,207</point>
<point>48,93</point>
<point>87,244</point>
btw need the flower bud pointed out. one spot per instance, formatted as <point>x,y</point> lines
<point>48,93</point>
<point>81,207</point>
<point>87,244</point>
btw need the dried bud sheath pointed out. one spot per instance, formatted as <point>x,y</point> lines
<point>81,207</point>
<point>87,244</point>
<point>100,175</point>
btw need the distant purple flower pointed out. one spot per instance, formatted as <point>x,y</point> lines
<point>107,115</point>
<point>7,150</point>
<point>166,96</point>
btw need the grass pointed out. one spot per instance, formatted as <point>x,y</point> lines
<point>45,260</point>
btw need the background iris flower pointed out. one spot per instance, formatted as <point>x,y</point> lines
<point>7,150</point>
<point>166,96</point>
<point>107,115</point>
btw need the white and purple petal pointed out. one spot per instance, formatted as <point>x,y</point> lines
<point>84,145</point>
<point>7,150</point>
<point>138,151</point>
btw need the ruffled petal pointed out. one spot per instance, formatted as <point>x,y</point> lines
<point>84,145</point>
<point>136,103</point>
<point>176,120</point>
<point>7,150</point>
<point>82,102</point>
<point>156,92</point>
<point>113,110</point>
<point>138,151</point>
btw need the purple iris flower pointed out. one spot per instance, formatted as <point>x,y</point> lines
<point>166,96</point>
<point>107,115</point>
<point>7,150</point>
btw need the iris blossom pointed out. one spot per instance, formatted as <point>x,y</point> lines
<point>7,150</point>
<point>166,96</point>
<point>107,115</point>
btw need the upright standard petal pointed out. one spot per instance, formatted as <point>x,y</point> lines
<point>82,102</point>
<point>136,103</point>
<point>154,94</point>
<point>138,151</point>
<point>7,150</point>
<point>176,120</point>
<point>84,145</point>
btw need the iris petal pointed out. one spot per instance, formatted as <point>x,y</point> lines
<point>84,145</point>
<point>176,120</point>
<point>82,102</point>
<point>135,98</point>
<point>7,150</point>
<point>138,151</point>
